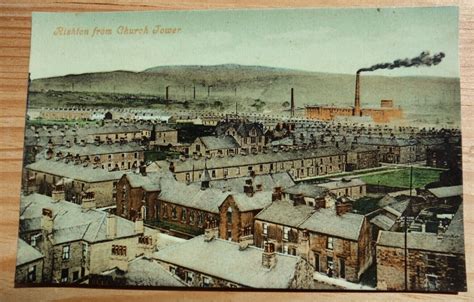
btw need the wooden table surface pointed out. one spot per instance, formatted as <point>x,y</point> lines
<point>15,29</point>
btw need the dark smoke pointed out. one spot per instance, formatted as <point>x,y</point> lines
<point>424,59</point>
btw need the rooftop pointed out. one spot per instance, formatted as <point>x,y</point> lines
<point>423,241</point>
<point>326,221</point>
<point>216,143</point>
<point>223,259</point>
<point>71,222</point>
<point>284,213</point>
<point>72,171</point>
<point>445,192</point>
<point>26,253</point>
<point>307,190</point>
<point>143,271</point>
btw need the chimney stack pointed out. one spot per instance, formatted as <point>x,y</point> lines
<point>88,201</point>
<point>343,207</point>
<point>47,221</point>
<point>277,194</point>
<point>269,255</point>
<point>211,231</point>
<point>167,92</point>
<point>292,103</point>
<point>248,187</point>
<point>111,226</point>
<point>119,258</point>
<point>139,228</point>
<point>357,96</point>
<point>58,193</point>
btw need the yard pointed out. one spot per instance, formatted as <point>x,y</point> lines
<point>401,177</point>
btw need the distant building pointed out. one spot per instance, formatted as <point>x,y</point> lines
<point>391,149</point>
<point>249,135</point>
<point>71,180</point>
<point>299,163</point>
<point>353,188</point>
<point>213,146</point>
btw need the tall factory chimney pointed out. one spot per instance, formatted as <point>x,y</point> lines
<point>194,92</point>
<point>167,92</point>
<point>357,96</point>
<point>292,103</point>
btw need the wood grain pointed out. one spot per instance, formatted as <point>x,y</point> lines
<point>15,29</point>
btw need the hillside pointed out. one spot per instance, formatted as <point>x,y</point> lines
<point>432,96</point>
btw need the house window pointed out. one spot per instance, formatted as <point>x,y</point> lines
<point>136,155</point>
<point>226,172</point>
<point>173,213</point>
<point>200,218</point>
<point>123,155</point>
<point>285,233</point>
<point>261,168</point>
<point>189,277</point>
<point>317,264</point>
<point>110,157</point>
<point>191,217</point>
<point>330,243</point>
<point>213,173</point>
<point>432,282</point>
<point>282,166</point>
<point>342,268</point>
<point>85,248</point>
<point>183,215</point>
<point>66,252</point>
<point>229,215</point>
<point>32,273</point>
<point>265,229</point>
<point>285,249</point>
<point>237,171</point>
<point>75,275</point>
<point>198,148</point>
<point>188,177</point>
<point>64,275</point>
<point>165,211</point>
<point>206,282</point>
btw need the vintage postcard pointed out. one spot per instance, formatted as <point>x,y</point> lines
<point>291,149</point>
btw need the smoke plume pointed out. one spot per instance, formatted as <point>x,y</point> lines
<point>424,59</point>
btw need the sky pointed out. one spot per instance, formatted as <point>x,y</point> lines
<point>321,40</point>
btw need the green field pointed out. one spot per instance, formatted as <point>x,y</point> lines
<point>401,178</point>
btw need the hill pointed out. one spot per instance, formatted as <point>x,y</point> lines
<point>432,97</point>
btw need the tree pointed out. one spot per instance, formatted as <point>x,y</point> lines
<point>285,104</point>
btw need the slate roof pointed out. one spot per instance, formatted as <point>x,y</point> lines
<point>93,149</point>
<point>72,171</point>
<point>284,213</point>
<point>326,221</point>
<point>223,259</point>
<point>382,221</point>
<point>143,271</point>
<point>342,183</point>
<point>267,181</point>
<point>445,192</point>
<point>150,182</point>
<point>257,201</point>
<point>217,143</point>
<point>26,253</point>
<point>384,141</point>
<point>71,222</point>
<point>192,196</point>
<point>255,159</point>
<point>307,190</point>
<point>423,241</point>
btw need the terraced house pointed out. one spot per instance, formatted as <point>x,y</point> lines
<point>77,241</point>
<point>334,241</point>
<point>299,163</point>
